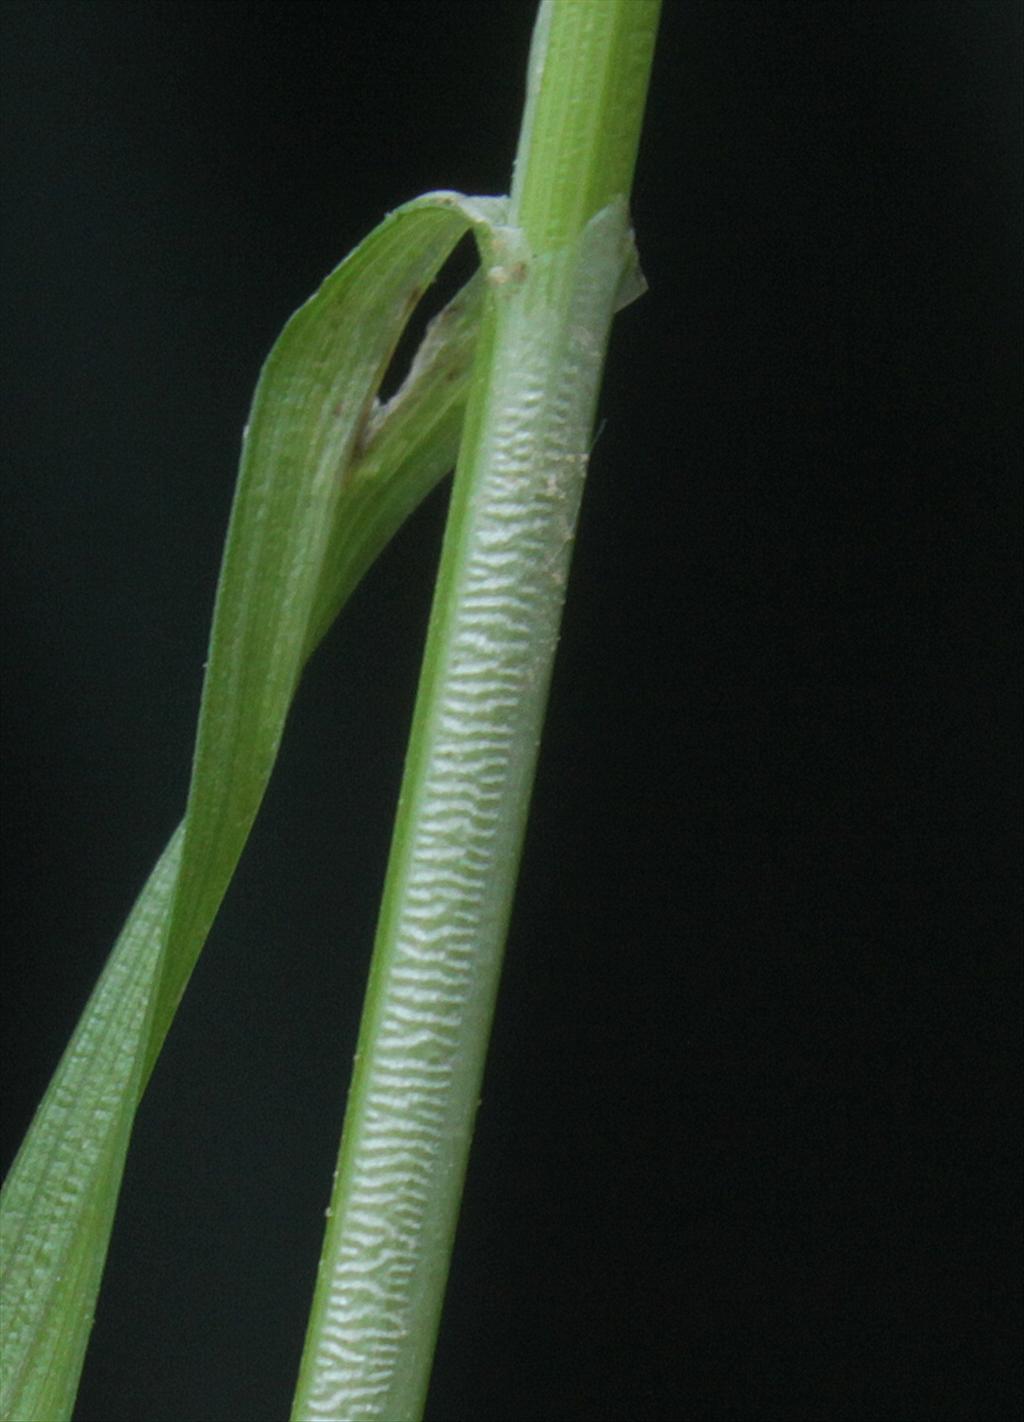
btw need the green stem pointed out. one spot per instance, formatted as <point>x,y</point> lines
<point>553,276</point>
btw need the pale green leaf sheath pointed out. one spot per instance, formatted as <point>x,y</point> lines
<point>326,477</point>
<point>554,278</point>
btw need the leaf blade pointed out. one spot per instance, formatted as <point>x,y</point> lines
<point>279,592</point>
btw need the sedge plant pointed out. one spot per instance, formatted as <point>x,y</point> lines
<point>504,386</point>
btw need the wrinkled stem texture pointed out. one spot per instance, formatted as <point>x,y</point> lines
<point>553,278</point>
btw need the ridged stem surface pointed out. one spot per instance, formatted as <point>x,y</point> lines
<point>554,276</point>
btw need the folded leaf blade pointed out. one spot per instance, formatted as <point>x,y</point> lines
<point>312,510</point>
<point>311,408</point>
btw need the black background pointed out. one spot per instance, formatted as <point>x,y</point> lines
<point>747,1147</point>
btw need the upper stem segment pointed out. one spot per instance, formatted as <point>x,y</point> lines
<point>590,65</point>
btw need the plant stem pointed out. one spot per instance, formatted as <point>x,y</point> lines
<point>553,278</point>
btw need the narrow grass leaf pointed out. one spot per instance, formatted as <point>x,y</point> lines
<point>326,477</point>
